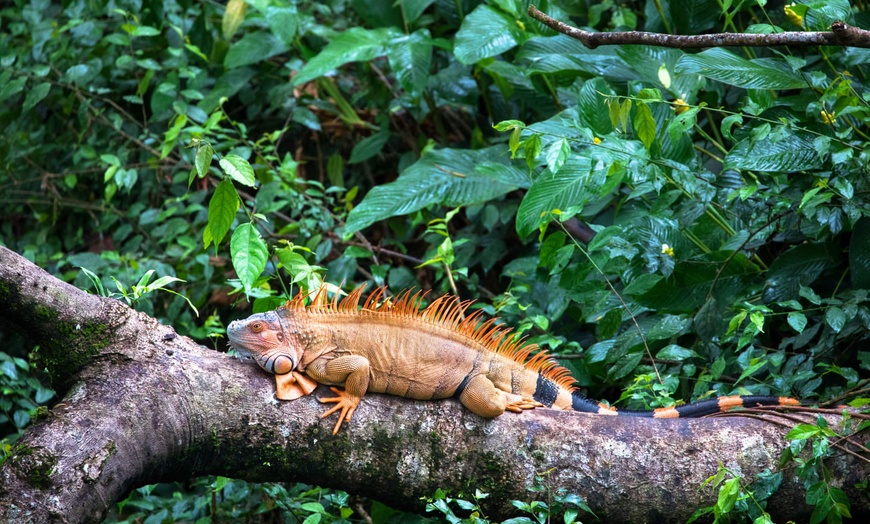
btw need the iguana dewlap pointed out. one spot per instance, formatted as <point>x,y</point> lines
<point>433,353</point>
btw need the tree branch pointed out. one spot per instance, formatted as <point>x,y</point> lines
<point>841,34</point>
<point>142,405</point>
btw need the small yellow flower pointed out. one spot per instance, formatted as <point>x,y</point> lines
<point>792,15</point>
<point>667,250</point>
<point>828,118</point>
<point>596,140</point>
<point>680,106</point>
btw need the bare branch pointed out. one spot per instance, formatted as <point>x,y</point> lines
<point>841,34</point>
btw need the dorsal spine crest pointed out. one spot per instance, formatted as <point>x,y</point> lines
<point>447,312</point>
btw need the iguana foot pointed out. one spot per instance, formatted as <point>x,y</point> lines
<point>293,385</point>
<point>345,402</point>
<point>518,406</point>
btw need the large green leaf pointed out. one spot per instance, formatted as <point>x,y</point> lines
<point>410,59</point>
<point>253,48</point>
<point>485,33</point>
<point>452,177</point>
<point>561,192</point>
<point>859,254</point>
<point>799,266</point>
<point>647,60</point>
<point>695,279</point>
<point>593,108</point>
<point>728,68</point>
<point>692,17</point>
<point>561,53</point>
<point>249,254</point>
<point>789,154</point>
<point>283,21</point>
<point>823,13</point>
<point>354,45</point>
<point>222,210</point>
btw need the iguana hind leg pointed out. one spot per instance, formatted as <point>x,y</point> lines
<point>483,398</point>
<point>353,372</point>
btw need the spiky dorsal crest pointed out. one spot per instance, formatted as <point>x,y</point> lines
<point>448,312</point>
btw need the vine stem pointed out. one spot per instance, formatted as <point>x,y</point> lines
<point>621,301</point>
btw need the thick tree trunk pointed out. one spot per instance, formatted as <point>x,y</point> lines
<point>142,405</point>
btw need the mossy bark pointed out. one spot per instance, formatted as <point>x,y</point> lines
<point>144,406</point>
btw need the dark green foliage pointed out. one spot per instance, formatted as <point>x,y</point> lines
<point>676,225</point>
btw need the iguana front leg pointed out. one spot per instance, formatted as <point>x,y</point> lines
<point>353,372</point>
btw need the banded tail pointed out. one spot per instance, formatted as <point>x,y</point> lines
<point>693,410</point>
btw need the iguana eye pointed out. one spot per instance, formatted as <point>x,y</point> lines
<point>256,327</point>
<point>280,365</point>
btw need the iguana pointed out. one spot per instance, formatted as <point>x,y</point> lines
<point>400,348</point>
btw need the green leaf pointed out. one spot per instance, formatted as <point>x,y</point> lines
<point>557,153</point>
<point>451,177</point>
<point>370,146</point>
<point>567,188</point>
<point>222,210</point>
<point>249,254</point>
<point>788,154</point>
<point>836,318</point>
<point>797,320</point>
<point>531,150</point>
<point>803,432</point>
<point>625,365</point>
<point>591,105</point>
<point>203,159</point>
<point>283,21</point>
<point>728,68</point>
<point>354,45</point>
<point>410,59</point>
<point>253,48</point>
<point>14,87</point>
<point>486,32</point>
<point>645,125</point>
<point>239,169</point>
<point>675,352</point>
<point>728,122</point>
<point>681,123</point>
<point>35,95</point>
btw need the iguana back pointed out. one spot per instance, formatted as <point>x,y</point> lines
<point>399,348</point>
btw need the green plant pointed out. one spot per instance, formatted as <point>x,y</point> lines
<point>671,224</point>
<point>739,500</point>
<point>23,393</point>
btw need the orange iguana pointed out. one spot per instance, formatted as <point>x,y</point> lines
<point>433,353</point>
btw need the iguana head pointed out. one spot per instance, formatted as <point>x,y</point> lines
<point>265,338</point>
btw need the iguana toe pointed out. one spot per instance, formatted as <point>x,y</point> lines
<point>345,402</point>
<point>519,405</point>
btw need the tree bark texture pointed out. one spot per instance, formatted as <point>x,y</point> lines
<point>141,405</point>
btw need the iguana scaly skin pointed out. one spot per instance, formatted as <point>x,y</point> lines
<point>397,347</point>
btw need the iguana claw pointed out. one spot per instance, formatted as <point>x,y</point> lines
<point>345,402</point>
